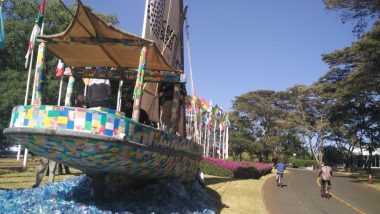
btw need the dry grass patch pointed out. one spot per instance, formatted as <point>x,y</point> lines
<point>20,179</point>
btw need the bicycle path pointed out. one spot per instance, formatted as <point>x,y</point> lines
<point>301,194</point>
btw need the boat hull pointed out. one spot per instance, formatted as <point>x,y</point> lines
<point>142,151</point>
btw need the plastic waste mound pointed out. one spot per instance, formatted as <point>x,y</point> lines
<point>75,195</point>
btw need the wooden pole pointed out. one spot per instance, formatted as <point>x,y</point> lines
<point>175,107</point>
<point>60,91</point>
<point>118,107</point>
<point>69,91</point>
<point>227,142</point>
<point>137,94</point>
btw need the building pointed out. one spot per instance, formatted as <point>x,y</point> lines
<point>360,158</point>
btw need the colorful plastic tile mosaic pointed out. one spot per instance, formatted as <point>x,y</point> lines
<point>105,139</point>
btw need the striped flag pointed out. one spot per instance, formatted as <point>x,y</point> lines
<point>36,30</point>
<point>2,31</point>
<point>59,70</point>
<point>204,105</point>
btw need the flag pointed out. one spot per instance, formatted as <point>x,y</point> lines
<point>221,126</point>
<point>59,70</point>
<point>2,31</point>
<point>226,120</point>
<point>40,66</point>
<point>220,113</point>
<point>204,105</point>
<point>209,107</point>
<point>67,72</point>
<point>189,107</point>
<point>86,81</point>
<point>216,110</point>
<point>36,30</point>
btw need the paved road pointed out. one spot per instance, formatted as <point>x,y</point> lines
<point>301,194</point>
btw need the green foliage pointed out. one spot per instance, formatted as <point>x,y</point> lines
<point>332,156</point>
<point>12,94</point>
<point>19,19</point>
<point>296,163</point>
<point>211,169</point>
<point>361,11</point>
<point>353,82</point>
<point>245,173</point>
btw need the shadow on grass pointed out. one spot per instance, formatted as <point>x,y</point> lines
<point>217,198</point>
<point>216,180</point>
<point>364,181</point>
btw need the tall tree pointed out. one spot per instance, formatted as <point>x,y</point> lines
<point>354,75</point>
<point>361,11</point>
<point>310,111</point>
<point>261,111</point>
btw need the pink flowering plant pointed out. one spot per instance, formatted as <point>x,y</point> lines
<point>236,169</point>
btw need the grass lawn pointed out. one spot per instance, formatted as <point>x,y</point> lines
<point>234,195</point>
<point>16,177</point>
<point>237,195</point>
<point>362,177</point>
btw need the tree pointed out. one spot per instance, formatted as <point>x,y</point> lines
<point>333,156</point>
<point>354,75</point>
<point>309,115</point>
<point>360,11</point>
<point>19,20</point>
<point>260,111</point>
<point>240,139</point>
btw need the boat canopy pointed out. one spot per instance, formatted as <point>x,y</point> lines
<point>89,41</point>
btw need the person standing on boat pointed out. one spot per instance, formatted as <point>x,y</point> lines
<point>144,117</point>
<point>98,94</point>
<point>166,91</point>
<point>80,101</point>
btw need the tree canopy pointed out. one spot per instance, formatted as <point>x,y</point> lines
<point>341,109</point>
<point>19,19</point>
<point>359,11</point>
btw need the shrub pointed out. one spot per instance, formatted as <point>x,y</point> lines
<point>219,167</point>
<point>212,169</point>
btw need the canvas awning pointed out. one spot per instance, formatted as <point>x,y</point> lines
<point>89,41</point>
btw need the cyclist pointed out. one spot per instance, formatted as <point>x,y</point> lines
<point>280,171</point>
<point>325,173</point>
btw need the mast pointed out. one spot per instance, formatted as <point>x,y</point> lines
<point>168,17</point>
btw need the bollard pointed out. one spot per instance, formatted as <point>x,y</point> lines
<point>370,181</point>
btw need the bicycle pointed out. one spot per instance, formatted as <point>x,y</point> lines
<point>279,179</point>
<point>325,189</point>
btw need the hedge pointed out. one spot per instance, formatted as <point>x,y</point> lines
<point>219,167</point>
<point>212,169</point>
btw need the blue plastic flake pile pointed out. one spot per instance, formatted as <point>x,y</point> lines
<point>75,195</point>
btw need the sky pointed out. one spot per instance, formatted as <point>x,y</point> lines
<point>247,45</point>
